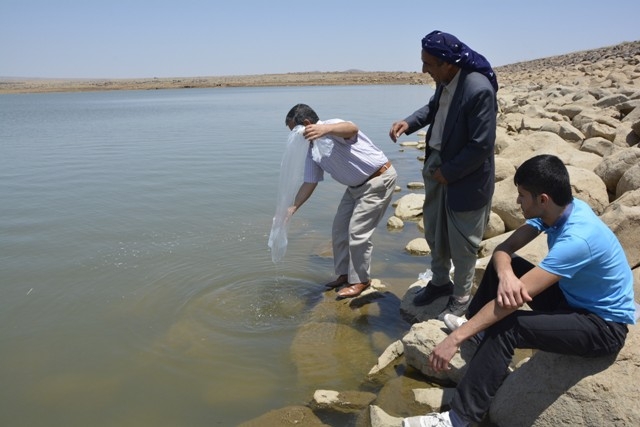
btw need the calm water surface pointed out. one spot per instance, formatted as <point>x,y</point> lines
<point>137,285</point>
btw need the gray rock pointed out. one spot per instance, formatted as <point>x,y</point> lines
<point>565,130</point>
<point>379,418</point>
<point>629,181</point>
<point>588,187</point>
<point>419,343</point>
<point>395,350</point>
<point>418,246</point>
<point>395,222</point>
<point>505,206</point>
<point>611,169</point>
<point>504,169</point>
<point>344,402</point>
<point>553,389</point>
<point>600,146</point>
<point>495,226</point>
<point>434,398</point>
<point>289,416</point>
<point>409,206</point>
<point>611,101</point>
<point>624,221</point>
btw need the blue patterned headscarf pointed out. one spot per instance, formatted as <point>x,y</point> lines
<point>451,50</point>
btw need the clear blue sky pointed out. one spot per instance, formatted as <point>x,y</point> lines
<point>185,38</point>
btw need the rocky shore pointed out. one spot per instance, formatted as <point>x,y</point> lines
<point>583,107</point>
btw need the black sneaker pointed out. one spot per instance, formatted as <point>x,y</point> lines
<point>454,307</point>
<point>431,292</point>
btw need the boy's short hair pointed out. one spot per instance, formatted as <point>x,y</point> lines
<point>545,174</point>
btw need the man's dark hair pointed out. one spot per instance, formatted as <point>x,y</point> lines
<point>299,113</point>
<point>545,174</point>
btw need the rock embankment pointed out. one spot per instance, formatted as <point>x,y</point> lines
<point>585,108</point>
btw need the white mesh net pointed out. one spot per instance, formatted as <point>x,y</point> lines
<point>291,178</point>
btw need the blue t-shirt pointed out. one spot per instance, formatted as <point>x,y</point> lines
<point>593,269</point>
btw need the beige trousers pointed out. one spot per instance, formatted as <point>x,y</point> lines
<point>359,212</point>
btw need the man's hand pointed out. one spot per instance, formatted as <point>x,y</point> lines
<point>442,354</point>
<point>437,175</point>
<point>313,132</point>
<point>290,211</point>
<point>397,129</point>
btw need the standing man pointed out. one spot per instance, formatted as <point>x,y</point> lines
<point>581,294</point>
<point>350,157</point>
<point>459,169</point>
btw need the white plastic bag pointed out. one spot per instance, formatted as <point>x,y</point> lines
<point>291,178</point>
<point>322,147</point>
<point>426,276</point>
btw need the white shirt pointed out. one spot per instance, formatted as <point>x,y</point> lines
<point>348,161</point>
<point>444,103</point>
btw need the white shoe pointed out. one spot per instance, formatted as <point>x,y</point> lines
<point>453,322</point>
<point>433,419</point>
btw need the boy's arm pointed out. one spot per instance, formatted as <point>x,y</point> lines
<point>535,281</point>
<point>511,293</point>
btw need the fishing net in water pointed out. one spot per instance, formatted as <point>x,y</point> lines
<point>291,178</point>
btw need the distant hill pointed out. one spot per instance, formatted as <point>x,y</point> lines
<point>349,77</point>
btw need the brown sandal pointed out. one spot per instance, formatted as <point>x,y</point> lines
<point>341,280</point>
<point>353,290</point>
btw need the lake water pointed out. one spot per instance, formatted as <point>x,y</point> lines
<point>137,286</point>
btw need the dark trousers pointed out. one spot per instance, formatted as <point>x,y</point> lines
<point>551,326</point>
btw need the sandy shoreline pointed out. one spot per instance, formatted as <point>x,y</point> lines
<point>16,85</point>
<point>505,74</point>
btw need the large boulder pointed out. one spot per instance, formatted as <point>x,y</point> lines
<point>495,226</point>
<point>599,146</point>
<point>535,143</point>
<point>623,217</point>
<point>418,246</point>
<point>346,401</point>
<point>553,389</point>
<point>534,251</point>
<point>505,206</point>
<point>413,313</point>
<point>633,118</point>
<point>565,130</point>
<point>410,206</point>
<point>587,186</point>
<point>629,181</point>
<point>504,169</point>
<point>625,136</point>
<point>611,169</point>
<point>593,118</point>
<point>419,343</point>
